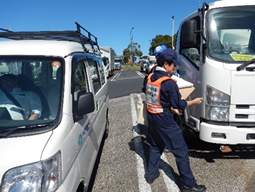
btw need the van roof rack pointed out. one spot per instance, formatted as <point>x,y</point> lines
<point>75,36</point>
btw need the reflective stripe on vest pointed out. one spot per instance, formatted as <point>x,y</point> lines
<point>153,94</point>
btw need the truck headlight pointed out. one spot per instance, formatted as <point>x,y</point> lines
<point>36,177</point>
<point>217,105</point>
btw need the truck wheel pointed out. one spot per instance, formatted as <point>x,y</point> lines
<point>180,121</point>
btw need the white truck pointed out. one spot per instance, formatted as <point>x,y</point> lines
<point>216,46</point>
<point>107,54</point>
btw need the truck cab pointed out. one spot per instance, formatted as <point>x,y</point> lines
<point>107,54</point>
<point>217,49</point>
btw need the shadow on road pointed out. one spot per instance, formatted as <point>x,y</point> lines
<point>94,172</point>
<point>142,141</point>
<point>209,151</point>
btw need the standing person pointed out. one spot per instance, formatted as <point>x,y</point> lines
<point>156,52</point>
<point>162,93</point>
<point>12,93</point>
<point>159,49</point>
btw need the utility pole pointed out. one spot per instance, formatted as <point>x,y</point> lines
<point>172,32</point>
<point>131,43</point>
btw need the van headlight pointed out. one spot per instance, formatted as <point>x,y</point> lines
<point>217,105</point>
<point>36,177</point>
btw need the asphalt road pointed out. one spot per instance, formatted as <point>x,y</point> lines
<point>122,160</point>
<point>123,83</point>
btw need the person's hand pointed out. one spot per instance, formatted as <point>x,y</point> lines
<point>33,116</point>
<point>196,101</point>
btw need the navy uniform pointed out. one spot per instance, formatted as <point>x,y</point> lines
<point>162,93</point>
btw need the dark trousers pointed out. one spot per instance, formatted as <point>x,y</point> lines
<point>162,134</point>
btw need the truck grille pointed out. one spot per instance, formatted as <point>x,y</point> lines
<point>245,113</point>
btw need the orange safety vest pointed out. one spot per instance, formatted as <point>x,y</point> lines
<point>153,94</point>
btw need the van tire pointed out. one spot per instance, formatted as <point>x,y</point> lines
<point>82,188</point>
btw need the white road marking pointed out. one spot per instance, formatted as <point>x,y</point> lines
<point>170,183</point>
<point>115,77</point>
<point>143,185</point>
<point>140,74</point>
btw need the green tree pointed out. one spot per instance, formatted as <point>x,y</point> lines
<point>161,40</point>
<point>133,50</point>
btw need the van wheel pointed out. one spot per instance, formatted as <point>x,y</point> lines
<point>82,188</point>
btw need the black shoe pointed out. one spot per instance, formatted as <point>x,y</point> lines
<point>196,188</point>
<point>150,182</point>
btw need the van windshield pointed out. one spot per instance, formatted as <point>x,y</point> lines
<point>30,90</point>
<point>231,34</point>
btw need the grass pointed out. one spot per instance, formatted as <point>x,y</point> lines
<point>130,67</point>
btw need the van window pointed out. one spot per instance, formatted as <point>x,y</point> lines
<point>80,80</point>
<point>101,72</point>
<point>94,73</point>
<point>39,80</point>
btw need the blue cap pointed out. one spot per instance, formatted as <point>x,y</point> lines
<point>169,54</point>
<point>159,49</point>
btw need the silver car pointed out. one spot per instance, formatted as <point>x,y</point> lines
<point>149,66</point>
<point>143,65</point>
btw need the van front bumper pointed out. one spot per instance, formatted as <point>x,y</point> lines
<point>226,134</point>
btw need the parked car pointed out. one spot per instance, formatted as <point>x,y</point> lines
<point>143,66</point>
<point>149,66</point>
<point>58,150</point>
<point>118,66</point>
<point>117,63</point>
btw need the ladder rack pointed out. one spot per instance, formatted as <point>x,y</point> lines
<point>74,36</point>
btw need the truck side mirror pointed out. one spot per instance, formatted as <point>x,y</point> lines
<point>188,33</point>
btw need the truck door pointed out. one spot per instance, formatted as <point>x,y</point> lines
<point>189,50</point>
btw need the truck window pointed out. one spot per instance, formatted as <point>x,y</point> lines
<point>193,53</point>
<point>230,34</point>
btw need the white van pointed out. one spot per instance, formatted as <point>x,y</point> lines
<point>217,50</point>
<point>56,151</point>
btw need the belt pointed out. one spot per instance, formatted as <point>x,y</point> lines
<point>166,109</point>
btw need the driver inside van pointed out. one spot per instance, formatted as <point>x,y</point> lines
<point>12,93</point>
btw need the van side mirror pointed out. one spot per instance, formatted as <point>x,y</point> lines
<point>86,103</point>
<point>188,33</point>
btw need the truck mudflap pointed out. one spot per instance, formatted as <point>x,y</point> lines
<point>226,134</point>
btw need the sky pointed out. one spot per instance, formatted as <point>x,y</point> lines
<point>111,21</point>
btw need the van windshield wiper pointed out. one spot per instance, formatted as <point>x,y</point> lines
<point>245,64</point>
<point>7,132</point>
